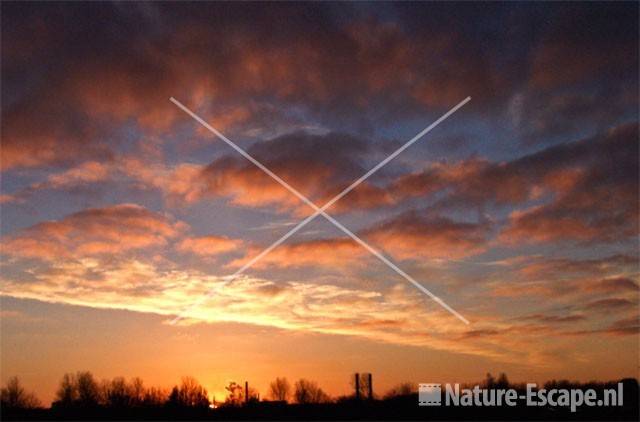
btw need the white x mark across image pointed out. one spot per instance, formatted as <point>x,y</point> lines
<point>320,211</point>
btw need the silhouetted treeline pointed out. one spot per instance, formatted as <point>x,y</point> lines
<point>82,391</point>
<point>81,396</point>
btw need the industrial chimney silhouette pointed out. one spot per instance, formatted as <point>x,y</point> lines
<point>367,379</point>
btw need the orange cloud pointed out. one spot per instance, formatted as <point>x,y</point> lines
<point>556,268</point>
<point>315,165</point>
<point>328,253</point>
<point>208,245</point>
<point>408,236</point>
<point>614,285</point>
<point>94,231</point>
<point>218,72</point>
<point>597,204</point>
<point>180,183</point>
<point>86,173</point>
<point>534,226</point>
<point>608,305</point>
<point>412,236</point>
<point>567,280</point>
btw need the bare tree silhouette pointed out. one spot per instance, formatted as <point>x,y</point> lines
<point>236,394</point>
<point>117,393</point>
<point>79,390</point>
<point>307,392</point>
<point>137,391</point>
<point>88,390</point>
<point>155,397</point>
<point>67,394</point>
<point>189,394</point>
<point>14,396</point>
<point>280,389</point>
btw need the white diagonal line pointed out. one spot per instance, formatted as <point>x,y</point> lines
<point>319,211</point>
<point>395,268</point>
<point>394,155</point>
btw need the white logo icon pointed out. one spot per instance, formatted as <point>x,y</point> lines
<point>429,395</point>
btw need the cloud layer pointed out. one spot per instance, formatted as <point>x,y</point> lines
<point>521,209</point>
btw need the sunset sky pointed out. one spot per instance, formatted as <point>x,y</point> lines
<point>119,210</point>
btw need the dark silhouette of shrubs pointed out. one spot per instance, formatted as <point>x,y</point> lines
<point>401,390</point>
<point>501,383</point>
